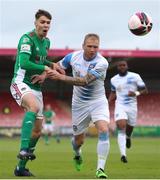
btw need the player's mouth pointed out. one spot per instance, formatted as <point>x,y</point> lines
<point>45,31</point>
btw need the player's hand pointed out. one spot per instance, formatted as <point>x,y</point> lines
<point>38,78</point>
<point>56,67</point>
<point>54,75</point>
<point>46,68</point>
<point>131,94</point>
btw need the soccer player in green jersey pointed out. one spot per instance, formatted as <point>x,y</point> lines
<point>49,126</point>
<point>31,59</point>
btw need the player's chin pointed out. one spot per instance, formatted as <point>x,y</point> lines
<point>92,56</point>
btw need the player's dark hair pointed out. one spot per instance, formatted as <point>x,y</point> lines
<point>91,35</point>
<point>42,12</point>
<point>118,62</point>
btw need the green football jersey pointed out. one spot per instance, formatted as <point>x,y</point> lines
<point>48,116</point>
<point>37,50</point>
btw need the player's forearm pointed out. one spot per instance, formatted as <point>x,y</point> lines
<point>26,64</point>
<point>77,81</point>
<point>143,91</point>
<point>48,63</point>
<point>112,97</point>
<point>138,92</point>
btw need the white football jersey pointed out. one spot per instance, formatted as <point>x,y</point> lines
<point>80,67</point>
<point>123,84</point>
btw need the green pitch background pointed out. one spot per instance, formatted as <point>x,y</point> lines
<point>54,161</point>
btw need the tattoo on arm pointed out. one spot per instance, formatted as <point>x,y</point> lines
<point>80,81</point>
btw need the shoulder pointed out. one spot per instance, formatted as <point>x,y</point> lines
<point>30,34</point>
<point>77,53</point>
<point>73,55</point>
<point>114,77</point>
<point>47,39</point>
<point>26,38</point>
<point>133,74</point>
<point>102,60</point>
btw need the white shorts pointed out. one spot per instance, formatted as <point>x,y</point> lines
<point>84,113</point>
<point>18,90</point>
<point>48,127</point>
<point>127,112</point>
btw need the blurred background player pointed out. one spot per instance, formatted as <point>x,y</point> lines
<point>49,124</point>
<point>89,101</point>
<point>31,59</point>
<point>125,87</point>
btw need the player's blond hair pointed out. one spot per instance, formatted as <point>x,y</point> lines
<point>90,35</point>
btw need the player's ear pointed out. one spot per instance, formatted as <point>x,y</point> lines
<point>83,45</point>
<point>35,23</point>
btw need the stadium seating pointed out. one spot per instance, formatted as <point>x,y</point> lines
<point>12,117</point>
<point>148,114</point>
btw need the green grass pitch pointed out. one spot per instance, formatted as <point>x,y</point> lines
<point>54,161</point>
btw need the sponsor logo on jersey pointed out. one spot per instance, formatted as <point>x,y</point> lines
<point>25,48</point>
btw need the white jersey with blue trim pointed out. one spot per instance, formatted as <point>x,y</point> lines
<point>121,85</point>
<point>80,67</point>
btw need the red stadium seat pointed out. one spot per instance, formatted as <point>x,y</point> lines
<point>15,116</point>
<point>148,113</point>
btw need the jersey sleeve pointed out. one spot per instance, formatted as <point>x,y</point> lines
<point>26,64</point>
<point>100,69</point>
<point>140,82</point>
<point>25,45</point>
<point>48,63</point>
<point>66,61</point>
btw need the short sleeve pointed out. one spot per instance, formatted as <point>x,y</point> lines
<point>140,82</point>
<point>99,69</point>
<point>66,61</point>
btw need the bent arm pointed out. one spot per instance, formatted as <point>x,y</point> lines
<point>143,90</point>
<point>26,64</point>
<point>140,91</point>
<point>48,63</point>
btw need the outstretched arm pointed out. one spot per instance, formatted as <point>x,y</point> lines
<point>41,78</point>
<point>77,81</point>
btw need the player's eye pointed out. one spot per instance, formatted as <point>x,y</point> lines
<point>48,22</point>
<point>42,22</point>
<point>92,46</point>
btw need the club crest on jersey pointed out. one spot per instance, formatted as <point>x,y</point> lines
<point>91,66</point>
<point>25,40</point>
